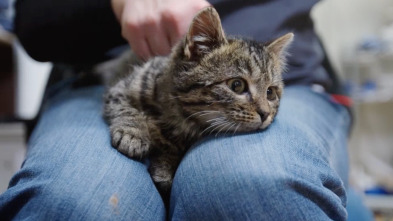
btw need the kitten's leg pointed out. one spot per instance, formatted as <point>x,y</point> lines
<point>128,126</point>
<point>162,170</point>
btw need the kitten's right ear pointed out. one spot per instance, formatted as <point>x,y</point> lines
<point>205,34</point>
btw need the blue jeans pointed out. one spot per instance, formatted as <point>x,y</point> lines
<point>295,170</point>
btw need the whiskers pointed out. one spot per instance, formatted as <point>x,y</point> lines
<point>212,121</point>
<point>220,124</point>
<point>202,113</point>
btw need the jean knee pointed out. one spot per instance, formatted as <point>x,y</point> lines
<point>251,185</point>
<point>225,193</point>
<point>115,195</point>
<point>58,199</point>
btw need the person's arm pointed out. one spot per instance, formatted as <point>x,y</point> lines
<point>71,31</point>
<point>82,31</point>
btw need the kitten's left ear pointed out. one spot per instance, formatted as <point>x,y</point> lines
<point>279,46</point>
<point>205,34</point>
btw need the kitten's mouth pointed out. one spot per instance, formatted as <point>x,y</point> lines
<point>266,123</point>
<point>248,127</point>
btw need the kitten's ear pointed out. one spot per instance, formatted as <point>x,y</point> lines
<point>205,34</point>
<point>279,46</point>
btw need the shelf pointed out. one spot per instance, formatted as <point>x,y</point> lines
<point>379,202</point>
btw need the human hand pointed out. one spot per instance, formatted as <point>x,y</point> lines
<point>152,27</point>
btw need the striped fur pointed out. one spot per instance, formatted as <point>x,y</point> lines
<point>167,104</point>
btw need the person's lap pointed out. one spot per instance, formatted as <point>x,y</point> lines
<point>293,169</point>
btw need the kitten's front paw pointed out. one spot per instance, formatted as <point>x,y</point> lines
<point>130,142</point>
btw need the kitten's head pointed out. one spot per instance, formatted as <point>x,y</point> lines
<point>228,84</point>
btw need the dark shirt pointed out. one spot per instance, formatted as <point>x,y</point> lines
<point>77,32</point>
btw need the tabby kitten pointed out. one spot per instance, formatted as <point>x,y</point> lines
<point>209,84</point>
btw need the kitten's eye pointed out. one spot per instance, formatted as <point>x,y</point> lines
<point>271,93</point>
<point>237,85</point>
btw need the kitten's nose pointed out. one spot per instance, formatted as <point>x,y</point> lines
<point>263,115</point>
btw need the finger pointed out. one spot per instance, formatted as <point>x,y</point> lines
<point>174,33</point>
<point>139,45</point>
<point>157,39</point>
<point>173,27</point>
<point>145,52</point>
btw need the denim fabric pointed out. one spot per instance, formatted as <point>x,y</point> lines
<point>72,172</point>
<point>5,18</point>
<point>296,169</point>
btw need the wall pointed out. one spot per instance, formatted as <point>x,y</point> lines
<point>344,23</point>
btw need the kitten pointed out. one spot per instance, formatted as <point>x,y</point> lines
<point>210,84</point>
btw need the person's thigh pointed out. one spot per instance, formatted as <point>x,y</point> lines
<point>294,170</point>
<point>71,172</point>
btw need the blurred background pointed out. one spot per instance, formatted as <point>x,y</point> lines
<point>358,36</point>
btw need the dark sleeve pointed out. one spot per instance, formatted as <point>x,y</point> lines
<point>70,31</point>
